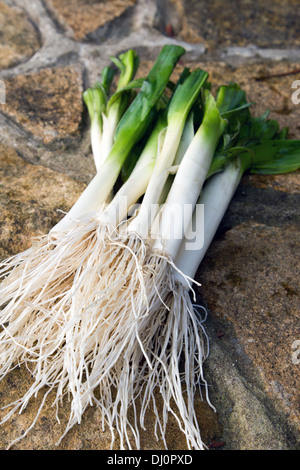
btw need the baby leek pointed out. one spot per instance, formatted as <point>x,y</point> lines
<point>95,100</point>
<point>114,331</point>
<point>116,325</point>
<point>174,217</point>
<point>116,106</point>
<point>106,113</point>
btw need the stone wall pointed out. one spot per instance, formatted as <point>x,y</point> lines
<point>50,51</point>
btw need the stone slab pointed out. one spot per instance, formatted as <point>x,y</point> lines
<point>19,39</point>
<point>251,278</point>
<point>31,197</point>
<point>82,17</point>
<point>48,103</point>
<point>265,23</point>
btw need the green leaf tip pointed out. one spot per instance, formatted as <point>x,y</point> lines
<point>107,78</point>
<point>95,100</point>
<point>233,105</point>
<point>127,63</point>
<point>187,90</point>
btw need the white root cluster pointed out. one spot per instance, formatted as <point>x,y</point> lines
<point>99,320</point>
<point>138,346</point>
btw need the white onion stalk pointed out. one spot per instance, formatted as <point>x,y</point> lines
<point>172,221</point>
<point>95,100</point>
<point>116,106</point>
<point>105,114</point>
<point>215,198</point>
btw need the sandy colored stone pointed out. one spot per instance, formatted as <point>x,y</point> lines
<point>266,24</point>
<point>48,103</point>
<point>30,198</point>
<point>250,277</point>
<point>85,16</point>
<point>19,39</point>
<point>89,435</point>
<point>287,182</point>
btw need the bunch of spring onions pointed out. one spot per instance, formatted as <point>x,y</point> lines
<point>101,309</point>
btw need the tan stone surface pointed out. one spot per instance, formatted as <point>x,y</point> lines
<point>18,37</point>
<point>289,183</point>
<point>251,279</point>
<point>30,197</point>
<point>89,435</point>
<point>85,16</point>
<point>265,23</point>
<point>48,103</point>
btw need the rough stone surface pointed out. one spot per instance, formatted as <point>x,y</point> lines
<point>89,435</point>
<point>30,199</point>
<point>238,23</point>
<point>250,277</point>
<point>83,17</point>
<point>48,104</point>
<point>19,39</point>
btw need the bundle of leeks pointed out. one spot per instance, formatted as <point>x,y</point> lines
<point>100,309</point>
